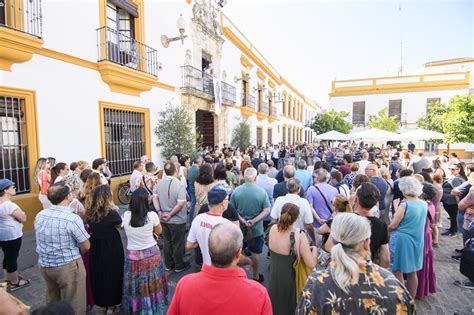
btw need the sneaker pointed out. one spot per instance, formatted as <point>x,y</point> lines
<point>186,266</point>
<point>456,257</point>
<point>457,250</point>
<point>466,284</point>
<point>169,268</point>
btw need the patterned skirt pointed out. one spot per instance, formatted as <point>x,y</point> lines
<point>145,289</point>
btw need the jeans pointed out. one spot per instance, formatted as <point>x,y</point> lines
<point>174,242</point>
<point>460,220</point>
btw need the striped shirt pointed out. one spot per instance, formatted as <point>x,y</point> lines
<point>58,234</point>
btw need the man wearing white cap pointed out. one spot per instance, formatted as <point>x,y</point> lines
<point>203,223</point>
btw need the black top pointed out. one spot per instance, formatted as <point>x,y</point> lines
<point>230,213</point>
<point>379,235</point>
<point>281,189</point>
<point>326,235</point>
<point>106,226</point>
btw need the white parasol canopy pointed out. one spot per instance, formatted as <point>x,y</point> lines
<point>332,135</point>
<point>421,134</point>
<point>374,134</point>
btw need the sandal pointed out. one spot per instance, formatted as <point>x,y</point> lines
<point>21,284</point>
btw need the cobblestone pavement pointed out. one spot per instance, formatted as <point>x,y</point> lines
<point>449,299</point>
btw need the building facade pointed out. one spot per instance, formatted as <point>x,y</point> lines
<point>87,79</point>
<point>405,97</point>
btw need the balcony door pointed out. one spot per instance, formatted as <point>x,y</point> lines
<point>120,35</point>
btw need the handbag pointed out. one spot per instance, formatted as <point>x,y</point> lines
<point>301,270</point>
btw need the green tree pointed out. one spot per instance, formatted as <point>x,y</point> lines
<point>433,119</point>
<point>458,121</point>
<point>174,132</point>
<point>331,120</point>
<point>383,121</point>
<point>241,135</point>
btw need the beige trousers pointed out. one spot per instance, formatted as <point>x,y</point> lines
<point>67,283</point>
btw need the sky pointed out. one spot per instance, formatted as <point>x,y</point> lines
<point>312,43</point>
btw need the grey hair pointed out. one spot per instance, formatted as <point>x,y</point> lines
<point>301,164</point>
<point>349,231</point>
<point>289,171</point>
<point>250,174</point>
<point>224,241</point>
<point>293,185</point>
<point>322,175</point>
<point>410,186</point>
<point>262,168</point>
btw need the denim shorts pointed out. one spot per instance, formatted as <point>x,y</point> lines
<point>257,246</point>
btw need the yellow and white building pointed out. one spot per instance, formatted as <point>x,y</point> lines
<point>406,96</point>
<point>83,79</point>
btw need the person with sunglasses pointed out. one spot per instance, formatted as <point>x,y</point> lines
<point>11,233</point>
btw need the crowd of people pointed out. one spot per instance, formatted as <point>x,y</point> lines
<point>346,229</point>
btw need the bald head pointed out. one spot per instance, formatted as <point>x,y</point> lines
<point>225,241</point>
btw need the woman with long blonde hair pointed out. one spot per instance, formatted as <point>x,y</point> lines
<point>106,256</point>
<point>43,180</point>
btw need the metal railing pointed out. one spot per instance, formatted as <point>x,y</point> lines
<point>229,93</point>
<point>24,16</point>
<point>264,107</point>
<point>193,78</point>
<point>126,51</point>
<point>248,101</point>
<point>274,111</point>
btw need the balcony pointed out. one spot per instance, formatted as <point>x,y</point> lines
<point>200,84</point>
<point>20,31</point>
<point>248,104</point>
<point>229,93</point>
<point>264,111</point>
<point>126,65</point>
<point>274,114</point>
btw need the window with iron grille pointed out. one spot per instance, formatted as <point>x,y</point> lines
<point>13,143</point>
<point>358,112</point>
<point>283,133</point>
<point>395,109</point>
<point>270,136</point>
<point>124,134</point>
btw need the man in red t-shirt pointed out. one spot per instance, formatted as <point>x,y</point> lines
<point>222,288</point>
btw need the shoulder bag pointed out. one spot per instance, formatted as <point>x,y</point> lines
<point>301,270</point>
<point>325,200</point>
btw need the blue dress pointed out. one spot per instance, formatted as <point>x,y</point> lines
<point>408,240</point>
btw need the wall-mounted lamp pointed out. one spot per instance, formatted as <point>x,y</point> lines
<point>263,88</point>
<point>181,24</point>
<point>245,77</point>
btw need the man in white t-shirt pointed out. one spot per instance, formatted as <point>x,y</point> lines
<point>363,163</point>
<point>203,223</point>
<point>305,219</point>
<point>136,176</point>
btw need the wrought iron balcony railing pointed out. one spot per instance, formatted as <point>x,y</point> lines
<point>24,16</point>
<point>274,111</point>
<point>229,93</point>
<point>264,107</point>
<point>126,51</point>
<point>248,101</point>
<point>193,78</point>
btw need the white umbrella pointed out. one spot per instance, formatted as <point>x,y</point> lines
<point>421,134</point>
<point>332,135</point>
<point>374,134</point>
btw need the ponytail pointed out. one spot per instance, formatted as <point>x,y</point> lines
<point>288,216</point>
<point>55,171</point>
<point>349,232</point>
<point>346,269</point>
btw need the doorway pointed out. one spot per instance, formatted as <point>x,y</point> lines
<point>205,127</point>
